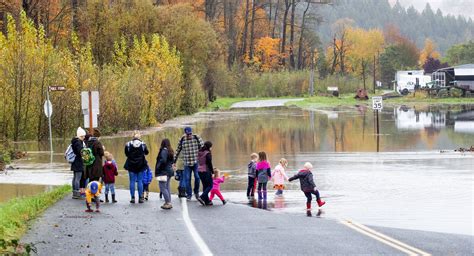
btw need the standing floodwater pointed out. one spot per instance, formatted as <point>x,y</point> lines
<point>409,184</point>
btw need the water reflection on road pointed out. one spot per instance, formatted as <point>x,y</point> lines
<point>410,184</point>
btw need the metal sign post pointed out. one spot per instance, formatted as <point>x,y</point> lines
<point>48,111</point>
<point>377,105</point>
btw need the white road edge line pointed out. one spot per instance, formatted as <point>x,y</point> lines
<point>192,230</point>
<point>384,239</point>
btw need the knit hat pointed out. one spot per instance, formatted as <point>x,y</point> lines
<point>94,187</point>
<point>80,132</point>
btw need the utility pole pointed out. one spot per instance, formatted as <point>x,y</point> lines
<point>311,76</point>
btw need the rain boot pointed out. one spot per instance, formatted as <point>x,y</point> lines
<point>106,198</point>
<point>308,206</point>
<point>113,198</point>
<point>320,202</point>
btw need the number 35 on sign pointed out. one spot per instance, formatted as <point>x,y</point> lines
<point>377,103</point>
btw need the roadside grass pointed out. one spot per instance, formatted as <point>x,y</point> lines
<point>16,214</point>
<point>348,100</point>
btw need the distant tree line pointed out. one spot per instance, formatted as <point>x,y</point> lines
<point>445,30</point>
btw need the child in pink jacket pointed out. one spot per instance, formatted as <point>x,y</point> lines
<point>279,176</point>
<point>216,186</point>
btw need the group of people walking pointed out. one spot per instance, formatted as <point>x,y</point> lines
<point>259,174</point>
<point>193,156</point>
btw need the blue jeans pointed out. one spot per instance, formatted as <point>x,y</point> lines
<point>187,179</point>
<point>111,187</point>
<point>165,189</point>
<point>76,181</point>
<point>136,177</point>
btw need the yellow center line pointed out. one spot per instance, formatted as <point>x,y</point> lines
<point>409,250</point>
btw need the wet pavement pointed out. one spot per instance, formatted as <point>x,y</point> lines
<point>415,180</point>
<point>231,229</point>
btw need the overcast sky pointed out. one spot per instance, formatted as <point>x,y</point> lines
<point>456,7</point>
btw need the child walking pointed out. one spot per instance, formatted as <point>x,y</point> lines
<point>307,185</point>
<point>110,171</point>
<point>263,173</point>
<point>279,176</point>
<point>216,186</point>
<point>147,178</point>
<point>93,190</point>
<point>252,174</point>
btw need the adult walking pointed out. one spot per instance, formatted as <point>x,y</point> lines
<point>95,171</point>
<point>206,170</point>
<point>190,144</point>
<point>77,166</point>
<point>164,171</point>
<point>135,151</point>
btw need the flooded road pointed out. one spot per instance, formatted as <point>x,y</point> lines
<point>408,184</point>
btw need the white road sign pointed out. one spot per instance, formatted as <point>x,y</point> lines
<point>377,103</point>
<point>48,111</point>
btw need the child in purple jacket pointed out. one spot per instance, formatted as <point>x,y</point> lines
<point>307,185</point>
<point>264,173</point>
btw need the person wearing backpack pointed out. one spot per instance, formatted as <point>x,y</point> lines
<point>77,166</point>
<point>95,171</point>
<point>189,145</point>
<point>135,151</point>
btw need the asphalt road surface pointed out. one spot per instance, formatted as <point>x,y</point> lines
<point>231,229</point>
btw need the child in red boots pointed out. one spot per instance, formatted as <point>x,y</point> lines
<point>307,185</point>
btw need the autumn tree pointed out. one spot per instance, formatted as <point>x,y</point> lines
<point>364,46</point>
<point>429,51</point>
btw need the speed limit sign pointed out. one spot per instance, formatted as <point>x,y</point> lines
<point>377,103</point>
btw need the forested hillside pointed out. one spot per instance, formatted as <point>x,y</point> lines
<point>445,30</point>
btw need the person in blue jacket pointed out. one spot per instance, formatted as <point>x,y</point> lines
<point>147,178</point>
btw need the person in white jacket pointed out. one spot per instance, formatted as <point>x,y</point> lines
<point>279,176</point>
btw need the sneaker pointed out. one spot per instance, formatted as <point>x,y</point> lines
<point>97,210</point>
<point>224,202</point>
<point>200,200</point>
<point>133,200</point>
<point>89,210</point>
<point>140,200</point>
<point>209,204</point>
<point>196,196</point>
<point>166,206</point>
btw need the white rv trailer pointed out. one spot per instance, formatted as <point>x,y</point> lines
<point>408,81</point>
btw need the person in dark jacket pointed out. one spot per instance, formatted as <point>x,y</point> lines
<point>95,171</point>
<point>205,170</point>
<point>136,163</point>
<point>307,185</point>
<point>164,171</point>
<point>77,167</point>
